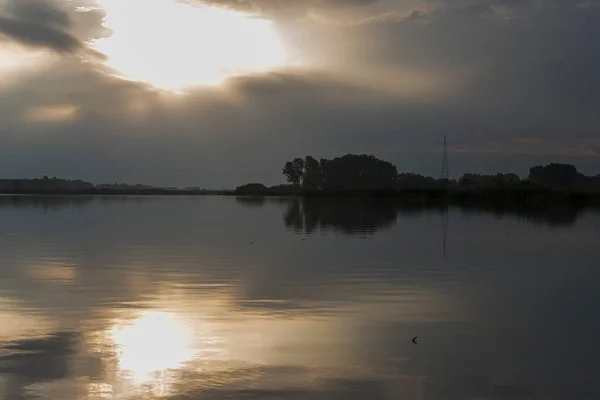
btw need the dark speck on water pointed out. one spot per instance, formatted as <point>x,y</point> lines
<point>155,299</point>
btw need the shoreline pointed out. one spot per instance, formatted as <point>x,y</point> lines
<point>451,196</point>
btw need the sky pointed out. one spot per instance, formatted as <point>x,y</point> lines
<point>217,93</point>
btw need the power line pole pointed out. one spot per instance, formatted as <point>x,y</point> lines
<point>445,171</point>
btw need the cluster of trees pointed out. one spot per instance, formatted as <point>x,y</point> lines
<point>563,177</point>
<point>348,172</point>
<point>554,176</point>
<point>366,172</point>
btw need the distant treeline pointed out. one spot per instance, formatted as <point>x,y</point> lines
<point>54,185</point>
<point>367,176</point>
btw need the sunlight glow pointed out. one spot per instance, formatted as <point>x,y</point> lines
<point>52,273</point>
<point>11,59</point>
<point>172,45</point>
<point>154,342</point>
<point>15,61</point>
<point>56,113</point>
<point>18,325</point>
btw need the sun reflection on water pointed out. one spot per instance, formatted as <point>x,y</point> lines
<point>151,344</point>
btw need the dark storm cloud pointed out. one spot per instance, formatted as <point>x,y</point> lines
<point>39,12</point>
<point>38,23</point>
<point>32,34</point>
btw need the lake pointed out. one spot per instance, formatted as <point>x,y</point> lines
<point>240,298</point>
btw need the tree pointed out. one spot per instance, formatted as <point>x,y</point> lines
<point>512,178</point>
<point>313,174</point>
<point>251,188</point>
<point>358,172</point>
<point>414,181</point>
<point>294,171</point>
<point>554,175</point>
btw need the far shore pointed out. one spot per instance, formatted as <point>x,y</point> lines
<point>526,196</point>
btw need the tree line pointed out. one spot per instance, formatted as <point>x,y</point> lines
<point>47,185</point>
<point>364,173</point>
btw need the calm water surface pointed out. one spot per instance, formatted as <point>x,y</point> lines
<point>224,298</point>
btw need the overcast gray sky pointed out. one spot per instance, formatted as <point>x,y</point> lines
<point>168,92</point>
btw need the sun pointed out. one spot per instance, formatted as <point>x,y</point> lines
<point>172,44</point>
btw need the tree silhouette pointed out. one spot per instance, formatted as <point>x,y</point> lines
<point>348,172</point>
<point>251,188</point>
<point>313,174</point>
<point>294,171</point>
<point>358,172</point>
<point>554,175</point>
<point>414,181</point>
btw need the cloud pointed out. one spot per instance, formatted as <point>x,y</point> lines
<point>32,34</point>
<point>589,4</point>
<point>245,130</point>
<point>357,11</point>
<point>484,75</point>
<point>278,7</point>
<point>51,113</point>
<point>38,23</point>
<point>39,12</point>
<point>540,58</point>
<point>131,123</point>
<point>588,147</point>
<point>326,11</point>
